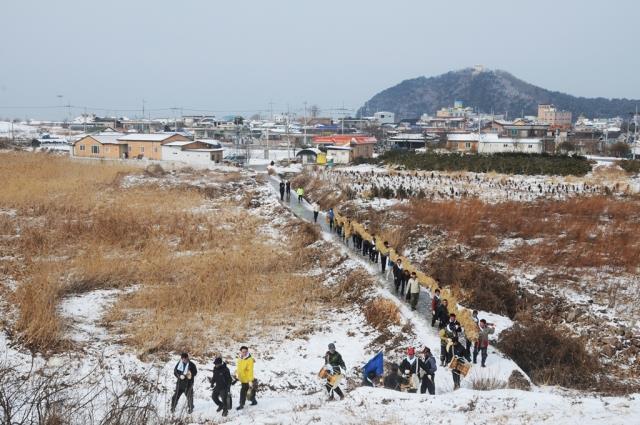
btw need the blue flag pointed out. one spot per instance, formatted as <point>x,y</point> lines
<point>375,365</point>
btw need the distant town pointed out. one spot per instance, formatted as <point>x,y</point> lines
<point>204,140</point>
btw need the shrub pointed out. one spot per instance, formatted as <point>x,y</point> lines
<point>482,288</point>
<point>354,288</point>
<point>381,313</point>
<point>549,355</point>
<point>487,383</point>
<point>518,381</point>
<point>155,170</point>
<point>508,163</point>
<point>630,166</point>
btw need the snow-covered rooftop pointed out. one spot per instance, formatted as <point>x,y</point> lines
<point>179,143</point>
<point>153,137</point>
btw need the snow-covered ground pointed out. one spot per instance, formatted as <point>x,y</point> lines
<point>287,364</point>
<point>8,129</point>
<point>371,181</point>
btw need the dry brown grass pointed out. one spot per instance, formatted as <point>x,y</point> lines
<point>38,319</point>
<point>548,355</point>
<point>354,288</point>
<point>581,232</point>
<point>326,195</point>
<point>199,272</point>
<point>381,313</point>
<point>481,287</point>
<point>487,383</point>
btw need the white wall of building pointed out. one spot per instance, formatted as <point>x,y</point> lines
<point>384,117</point>
<point>192,157</point>
<point>491,143</point>
<point>339,156</point>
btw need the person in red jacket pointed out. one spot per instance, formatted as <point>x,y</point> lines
<point>435,303</point>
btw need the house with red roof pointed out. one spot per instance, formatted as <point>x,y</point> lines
<point>344,148</point>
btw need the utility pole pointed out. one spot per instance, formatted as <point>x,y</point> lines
<point>143,102</point>
<point>69,120</point>
<point>175,118</point>
<point>634,146</point>
<point>286,130</point>
<point>305,123</point>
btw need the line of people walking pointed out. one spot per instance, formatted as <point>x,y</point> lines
<point>455,349</point>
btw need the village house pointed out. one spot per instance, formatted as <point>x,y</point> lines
<point>339,154</point>
<point>149,145</point>
<point>114,145</point>
<point>360,146</point>
<point>489,143</point>
<point>100,145</point>
<point>197,153</point>
<point>462,142</point>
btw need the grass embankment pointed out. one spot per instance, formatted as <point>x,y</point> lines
<point>506,163</point>
<point>630,166</point>
<point>70,227</point>
<point>594,231</point>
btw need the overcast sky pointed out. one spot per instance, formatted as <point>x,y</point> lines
<point>240,55</point>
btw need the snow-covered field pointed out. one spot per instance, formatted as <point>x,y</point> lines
<point>378,182</point>
<point>287,362</point>
<point>8,129</point>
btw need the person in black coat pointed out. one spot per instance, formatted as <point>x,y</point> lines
<point>397,274</point>
<point>456,350</point>
<point>185,372</point>
<point>288,190</point>
<point>221,383</point>
<point>442,314</point>
<point>366,245</point>
<point>282,191</point>
<point>393,381</point>
<point>383,257</point>
<point>429,366</point>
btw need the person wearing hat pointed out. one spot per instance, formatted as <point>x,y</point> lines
<point>185,371</point>
<point>334,360</point>
<point>410,368</point>
<point>221,383</point>
<point>429,366</point>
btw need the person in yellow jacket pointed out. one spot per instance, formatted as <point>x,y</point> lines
<point>244,373</point>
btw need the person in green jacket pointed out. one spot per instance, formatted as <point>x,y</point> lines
<point>334,359</point>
